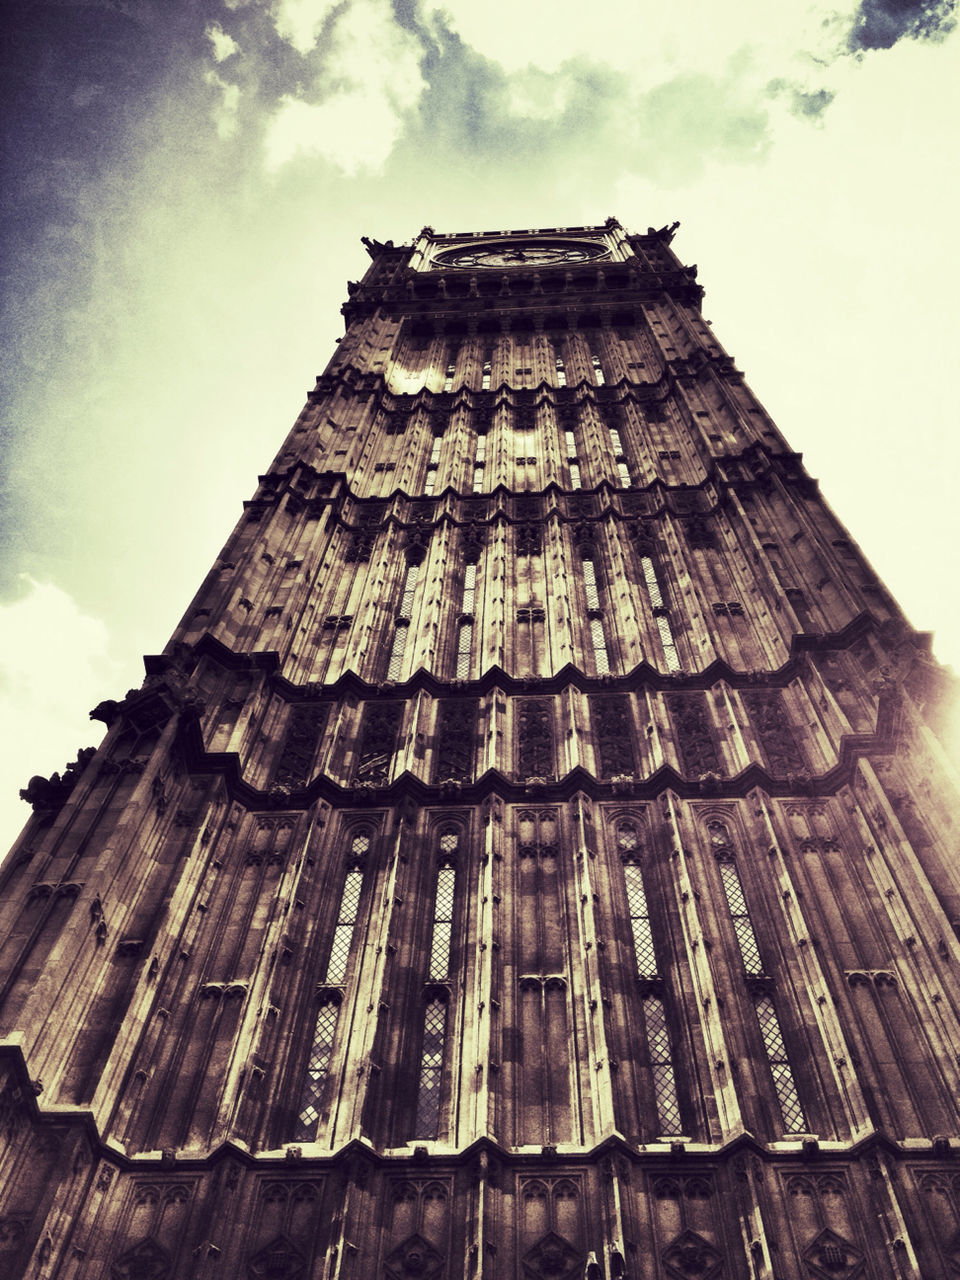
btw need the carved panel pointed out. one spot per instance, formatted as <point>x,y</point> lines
<point>529,540</point>
<point>613,736</point>
<point>699,754</point>
<point>378,741</point>
<point>305,725</point>
<point>535,738</point>
<point>456,734</point>
<point>775,732</point>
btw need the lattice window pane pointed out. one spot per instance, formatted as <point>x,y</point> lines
<point>469,588</point>
<point>640,921</point>
<point>431,1070</point>
<point>776,1051</point>
<point>343,931</point>
<point>590,582</point>
<point>321,1052</point>
<point>571,442</point>
<point>664,1082</point>
<point>446,885</point>
<point>464,645</point>
<point>670,654</point>
<point>440,951</point>
<point>746,938</point>
<point>442,923</point>
<point>599,642</point>
<point>749,949</point>
<point>350,903</point>
<point>409,588</point>
<point>395,665</point>
<point>360,845</point>
<point>339,953</point>
<point>650,578</point>
<point>449,842</point>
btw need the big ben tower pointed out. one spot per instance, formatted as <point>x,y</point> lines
<point>533,855</point>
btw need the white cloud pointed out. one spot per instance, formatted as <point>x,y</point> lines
<point>54,666</point>
<point>224,45</point>
<point>299,22</point>
<point>648,40</point>
<point>356,126</point>
<point>226,112</point>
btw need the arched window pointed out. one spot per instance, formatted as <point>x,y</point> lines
<point>331,983</point>
<point>433,1043</point>
<point>759,986</point>
<point>654,1011</point>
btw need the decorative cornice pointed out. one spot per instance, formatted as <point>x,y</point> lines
<point>485,1155</point>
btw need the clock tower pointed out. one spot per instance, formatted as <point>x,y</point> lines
<point>533,854</point>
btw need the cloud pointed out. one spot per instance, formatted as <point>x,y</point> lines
<point>810,104</point>
<point>300,22</point>
<point>224,45</point>
<point>575,119</point>
<point>227,110</point>
<point>880,24</point>
<point>369,80</point>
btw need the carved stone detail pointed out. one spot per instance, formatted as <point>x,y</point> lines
<point>775,731</point>
<point>305,726</point>
<point>699,754</point>
<point>456,731</point>
<point>378,741</point>
<point>613,736</point>
<point>535,738</point>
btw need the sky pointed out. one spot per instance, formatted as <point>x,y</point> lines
<point>184,187</point>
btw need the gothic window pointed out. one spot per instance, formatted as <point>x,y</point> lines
<point>402,621</point>
<point>772,726</point>
<point>451,370</point>
<point>435,1013</point>
<point>433,463</point>
<point>572,459</point>
<point>332,980</point>
<point>597,370</point>
<point>595,617</point>
<point>759,986</point>
<point>479,462</point>
<point>486,372</point>
<point>652,997</point>
<point>455,735</point>
<point>466,620</point>
<point>561,372</point>
<point>698,750</point>
<point>535,738</point>
<point>613,736</point>
<point>378,740</point>
<point>623,470</point>
<point>661,613</point>
<point>304,727</point>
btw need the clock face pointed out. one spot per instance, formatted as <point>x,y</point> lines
<point>518,253</point>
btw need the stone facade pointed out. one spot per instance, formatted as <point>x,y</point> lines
<point>532,856</point>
